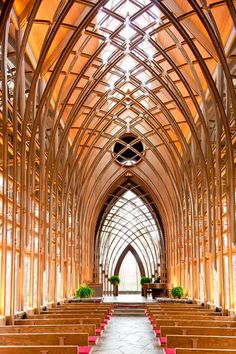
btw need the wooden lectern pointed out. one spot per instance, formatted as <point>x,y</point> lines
<point>97,288</point>
<point>157,289</point>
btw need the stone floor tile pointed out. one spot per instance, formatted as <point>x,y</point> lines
<point>128,335</point>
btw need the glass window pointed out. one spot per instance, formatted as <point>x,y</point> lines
<point>130,223</point>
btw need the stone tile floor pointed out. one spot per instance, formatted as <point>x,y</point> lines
<point>128,335</point>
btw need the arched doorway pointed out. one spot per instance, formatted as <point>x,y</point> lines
<point>130,275</point>
<point>130,269</point>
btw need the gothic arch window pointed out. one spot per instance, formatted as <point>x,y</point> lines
<point>128,225</point>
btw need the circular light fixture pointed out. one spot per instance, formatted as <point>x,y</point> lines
<point>128,150</point>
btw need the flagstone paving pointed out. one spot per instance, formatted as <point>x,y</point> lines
<point>128,335</point>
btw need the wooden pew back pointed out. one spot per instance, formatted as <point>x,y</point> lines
<point>44,339</point>
<point>183,306</point>
<point>192,316</point>
<point>48,321</point>
<point>198,341</point>
<point>69,349</point>
<point>84,328</point>
<point>184,311</point>
<point>205,351</point>
<point>84,306</point>
<point>193,323</point>
<point>62,315</point>
<point>101,311</point>
<point>185,330</point>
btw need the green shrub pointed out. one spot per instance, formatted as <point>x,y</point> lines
<point>145,280</point>
<point>84,291</point>
<point>114,280</point>
<point>177,291</point>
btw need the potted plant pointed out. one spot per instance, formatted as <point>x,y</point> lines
<point>144,280</point>
<point>115,281</point>
<point>177,292</point>
<point>84,291</point>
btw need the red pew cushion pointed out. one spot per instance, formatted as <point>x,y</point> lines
<point>98,331</point>
<point>84,350</point>
<point>93,339</point>
<point>169,350</point>
<point>163,340</point>
<point>157,332</point>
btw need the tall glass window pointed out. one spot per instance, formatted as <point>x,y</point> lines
<point>129,223</point>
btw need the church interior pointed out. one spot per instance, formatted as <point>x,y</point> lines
<point>117,159</point>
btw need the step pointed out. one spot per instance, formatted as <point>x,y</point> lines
<point>128,311</point>
<point>129,305</point>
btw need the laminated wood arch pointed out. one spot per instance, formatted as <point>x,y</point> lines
<point>74,77</point>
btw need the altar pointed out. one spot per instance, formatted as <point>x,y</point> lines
<point>157,289</point>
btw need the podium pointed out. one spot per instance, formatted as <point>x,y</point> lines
<point>97,289</point>
<point>157,289</point>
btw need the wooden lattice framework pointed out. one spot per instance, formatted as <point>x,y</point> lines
<point>76,75</point>
<point>129,221</point>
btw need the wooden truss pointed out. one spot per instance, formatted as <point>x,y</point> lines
<point>75,76</point>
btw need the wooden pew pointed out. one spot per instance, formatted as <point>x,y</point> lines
<point>69,321</point>
<point>185,310</point>
<point>62,315</point>
<point>180,309</point>
<point>173,305</point>
<point>68,349</point>
<point>79,339</point>
<point>200,341</point>
<point>192,316</point>
<point>77,311</point>
<point>193,323</point>
<point>185,330</point>
<point>93,336</point>
<point>187,313</point>
<point>151,306</point>
<point>85,328</point>
<point>83,305</point>
<point>205,351</point>
<point>152,309</point>
<point>86,304</point>
<point>105,316</point>
<point>108,308</point>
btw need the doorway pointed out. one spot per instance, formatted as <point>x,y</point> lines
<point>129,275</point>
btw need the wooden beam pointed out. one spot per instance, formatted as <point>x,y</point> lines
<point>178,11</point>
<point>59,49</point>
<point>23,18</point>
<point>7,7</point>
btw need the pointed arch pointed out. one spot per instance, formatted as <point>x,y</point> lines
<point>129,220</point>
<point>131,249</point>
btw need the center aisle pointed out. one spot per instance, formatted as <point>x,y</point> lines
<point>128,335</point>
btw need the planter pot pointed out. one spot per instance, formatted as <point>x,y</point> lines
<point>142,291</point>
<point>115,290</point>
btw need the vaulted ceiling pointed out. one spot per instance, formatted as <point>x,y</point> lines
<point>91,71</point>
